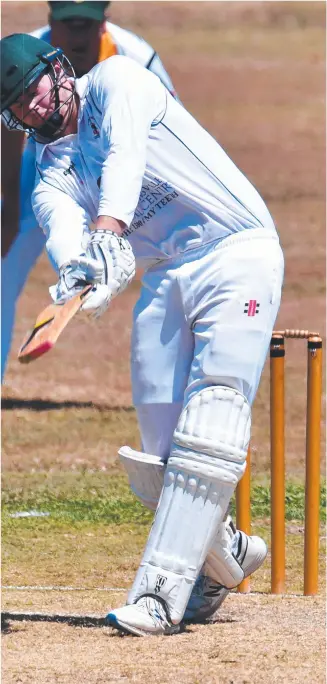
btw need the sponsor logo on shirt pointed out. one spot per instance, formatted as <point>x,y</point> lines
<point>251,308</point>
<point>70,169</point>
<point>155,195</point>
<point>92,123</point>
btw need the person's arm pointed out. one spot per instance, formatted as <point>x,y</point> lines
<point>133,102</point>
<point>81,257</point>
<point>155,65</point>
<point>12,144</point>
<point>137,48</point>
<point>64,222</point>
<point>110,223</point>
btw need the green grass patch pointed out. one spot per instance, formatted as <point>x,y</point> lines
<point>74,498</point>
<point>294,501</point>
<point>96,530</point>
<point>95,497</point>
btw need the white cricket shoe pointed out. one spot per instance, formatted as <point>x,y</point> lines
<point>208,595</point>
<point>147,617</point>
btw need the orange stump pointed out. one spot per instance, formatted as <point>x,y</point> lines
<point>277,465</point>
<point>312,484</point>
<point>243,512</point>
<point>277,453</point>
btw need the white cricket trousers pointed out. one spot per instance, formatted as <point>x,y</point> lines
<point>203,318</point>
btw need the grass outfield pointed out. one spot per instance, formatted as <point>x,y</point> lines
<point>94,530</point>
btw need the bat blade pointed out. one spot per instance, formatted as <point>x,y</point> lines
<point>48,326</point>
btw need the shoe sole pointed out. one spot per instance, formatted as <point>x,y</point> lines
<point>112,621</point>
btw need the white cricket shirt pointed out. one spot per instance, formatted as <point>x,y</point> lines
<point>140,157</point>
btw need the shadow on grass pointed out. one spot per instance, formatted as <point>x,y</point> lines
<point>73,620</point>
<point>82,620</point>
<point>48,405</point>
<point>5,625</point>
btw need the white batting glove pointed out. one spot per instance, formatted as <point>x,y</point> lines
<point>116,256</point>
<point>109,263</point>
<point>74,276</point>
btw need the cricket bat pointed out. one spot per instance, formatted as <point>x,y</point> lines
<point>48,326</point>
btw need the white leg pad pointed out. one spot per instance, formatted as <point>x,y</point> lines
<point>207,460</point>
<point>145,473</point>
<point>146,476</point>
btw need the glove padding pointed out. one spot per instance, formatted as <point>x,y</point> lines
<point>109,263</point>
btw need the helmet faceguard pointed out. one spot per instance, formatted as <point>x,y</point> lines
<point>51,127</point>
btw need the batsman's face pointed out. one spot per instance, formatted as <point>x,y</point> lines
<point>80,41</point>
<point>38,102</point>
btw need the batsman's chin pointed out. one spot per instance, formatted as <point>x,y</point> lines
<point>97,300</point>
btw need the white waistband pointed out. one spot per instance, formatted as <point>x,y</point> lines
<point>222,243</point>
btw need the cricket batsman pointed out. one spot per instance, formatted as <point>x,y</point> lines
<point>116,151</point>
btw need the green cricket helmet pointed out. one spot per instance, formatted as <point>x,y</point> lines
<point>24,59</point>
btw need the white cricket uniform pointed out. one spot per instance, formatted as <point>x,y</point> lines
<point>214,266</point>
<point>30,240</point>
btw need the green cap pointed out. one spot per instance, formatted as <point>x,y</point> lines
<point>23,59</point>
<point>78,9</point>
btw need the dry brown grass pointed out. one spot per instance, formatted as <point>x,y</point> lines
<point>69,436</point>
<point>258,639</point>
